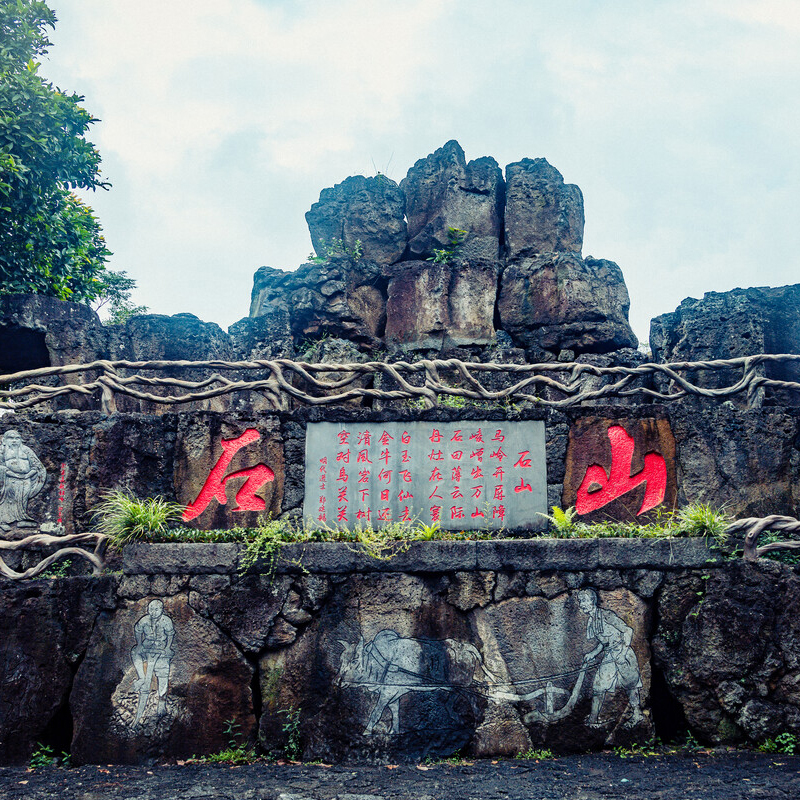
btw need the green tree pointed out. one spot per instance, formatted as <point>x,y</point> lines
<point>50,241</point>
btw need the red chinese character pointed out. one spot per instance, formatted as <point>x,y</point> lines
<point>498,512</point>
<point>599,488</point>
<point>364,514</point>
<point>342,495</point>
<point>435,475</point>
<point>322,516</point>
<point>498,473</point>
<point>477,491</point>
<point>405,457</point>
<point>435,513</point>
<point>456,512</point>
<point>345,456</point>
<point>435,493</point>
<point>214,487</point>
<point>456,493</point>
<point>523,487</point>
<point>436,455</point>
<point>385,495</point>
<point>384,515</point>
<point>342,476</point>
<point>498,493</point>
<point>385,475</point>
<point>364,438</point>
<point>478,436</point>
<point>477,454</point>
<point>406,438</point>
<point>405,475</point>
<point>363,476</point>
<point>477,513</point>
<point>456,473</point>
<point>343,437</point>
<point>386,438</point>
<point>323,460</point>
<point>436,436</point>
<point>498,437</point>
<point>457,455</point>
<point>341,515</point>
<point>498,454</point>
<point>457,437</point>
<point>406,515</point>
<point>364,493</point>
<point>476,473</point>
<point>384,456</point>
<point>523,461</point>
<point>404,495</point>
<point>363,458</point>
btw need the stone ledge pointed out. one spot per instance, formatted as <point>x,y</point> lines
<point>568,555</point>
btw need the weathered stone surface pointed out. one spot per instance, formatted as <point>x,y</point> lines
<point>562,302</point>
<point>443,191</point>
<point>724,325</point>
<point>369,210</point>
<point>431,305</point>
<point>197,681</point>
<point>620,469</point>
<point>228,470</point>
<point>44,628</point>
<point>340,298</point>
<point>263,335</point>
<point>543,214</point>
<point>727,643</point>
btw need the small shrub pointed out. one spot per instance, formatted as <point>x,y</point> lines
<point>535,755</point>
<point>783,743</point>
<point>293,749</point>
<point>125,518</point>
<point>43,756</point>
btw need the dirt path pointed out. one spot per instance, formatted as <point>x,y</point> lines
<point>698,777</point>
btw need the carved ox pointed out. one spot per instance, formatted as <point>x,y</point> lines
<point>392,666</point>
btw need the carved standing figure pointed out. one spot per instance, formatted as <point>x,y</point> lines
<point>22,477</point>
<point>154,633</point>
<point>618,669</point>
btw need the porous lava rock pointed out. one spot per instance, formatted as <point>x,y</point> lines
<point>443,191</point>
<point>430,304</point>
<point>542,213</point>
<point>723,325</point>
<point>339,298</point>
<point>44,629</point>
<point>728,644</point>
<point>205,682</point>
<point>359,209</point>
<point>559,301</point>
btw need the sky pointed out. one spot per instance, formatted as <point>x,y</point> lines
<point>222,120</point>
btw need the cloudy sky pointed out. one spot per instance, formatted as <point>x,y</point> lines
<point>222,121</point>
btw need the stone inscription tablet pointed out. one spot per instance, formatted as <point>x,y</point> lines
<point>463,475</point>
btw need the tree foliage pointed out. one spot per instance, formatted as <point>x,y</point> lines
<point>50,241</point>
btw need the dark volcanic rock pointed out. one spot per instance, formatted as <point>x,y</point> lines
<point>728,645</point>
<point>369,210</point>
<point>430,304</point>
<point>44,629</point>
<point>443,191</point>
<point>543,214</point>
<point>723,325</point>
<point>338,298</point>
<point>264,336</point>
<point>558,301</point>
<point>194,680</point>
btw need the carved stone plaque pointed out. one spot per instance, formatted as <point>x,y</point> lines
<point>463,475</point>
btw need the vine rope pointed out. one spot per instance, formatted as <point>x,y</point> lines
<point>331,383</point>
<point>753,527</point>
<point>96,558</point>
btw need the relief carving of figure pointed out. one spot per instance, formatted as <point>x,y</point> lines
<point>22,477</point>
<point>618,669</point>
<point>154,633</point>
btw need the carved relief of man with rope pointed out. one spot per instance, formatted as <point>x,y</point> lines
<point>618,668</point>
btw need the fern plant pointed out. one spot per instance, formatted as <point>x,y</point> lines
<point>126,518</point>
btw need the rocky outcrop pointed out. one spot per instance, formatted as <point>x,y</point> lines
<point>341,298</point>
<point>724,325</point>
<point>361,217</point>
<point>559,301</point>
<point>442,192</point>
<point>431,305</point>
<point>727,645</point>
<point>543,214</point>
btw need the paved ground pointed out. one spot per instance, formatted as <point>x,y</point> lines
<point>686,777</point>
